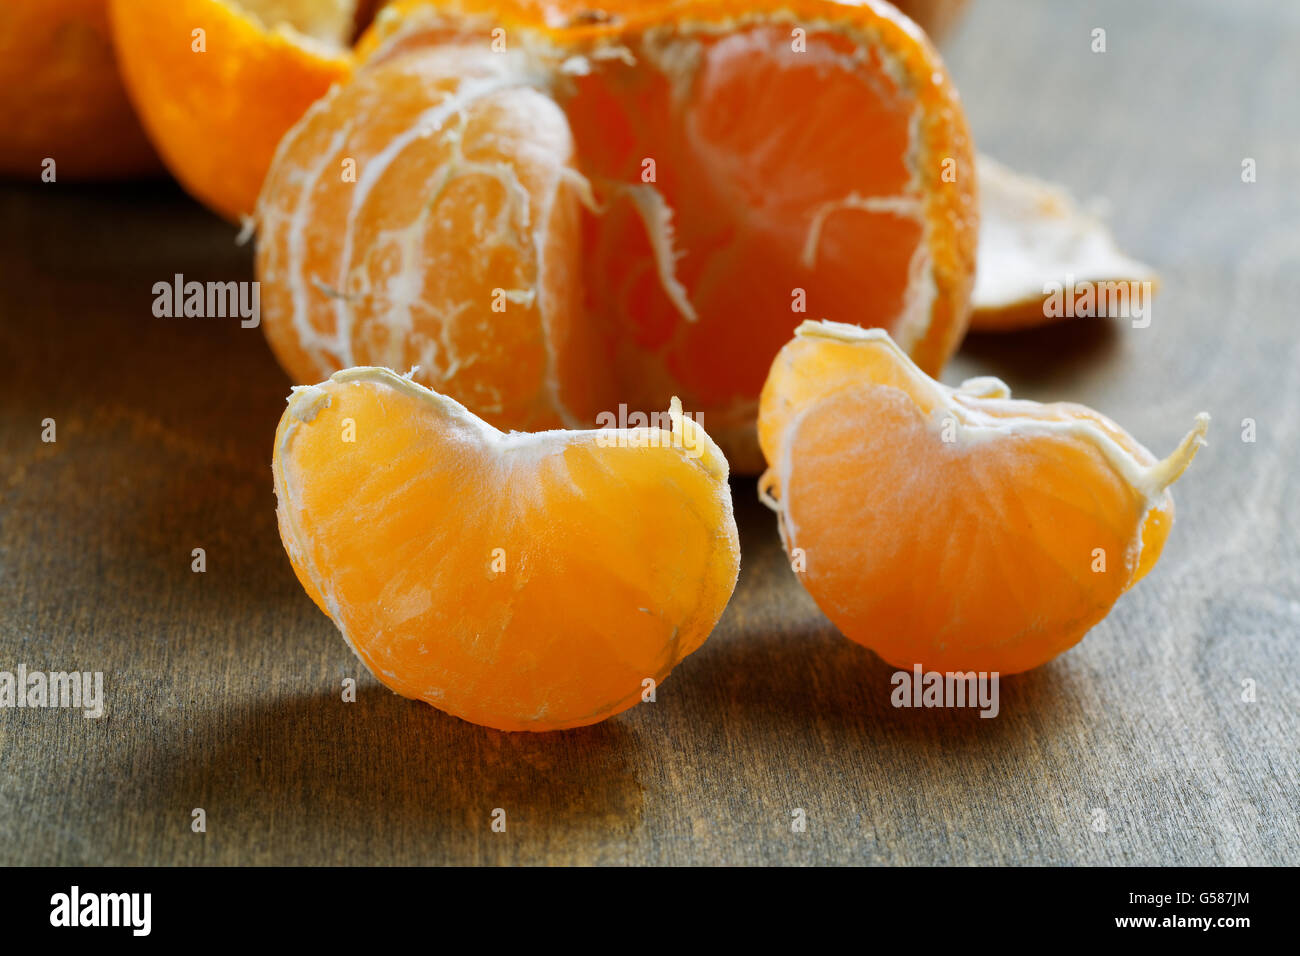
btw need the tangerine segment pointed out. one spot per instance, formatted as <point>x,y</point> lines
<point>723,192</point>
<point>453,241</point>
<point>520,581</point>
<point>772,208</point>
<point>216,83</point>
<point>958,529</point>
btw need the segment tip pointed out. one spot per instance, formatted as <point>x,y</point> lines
<point>1166,472</point>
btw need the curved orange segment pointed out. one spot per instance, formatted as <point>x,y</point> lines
<point>520,581</point>
<point>958,529</point>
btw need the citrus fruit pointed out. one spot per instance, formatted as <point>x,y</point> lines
<point>954,528</point>
<point>702,174</point>
<point>217,82</point>
<point>1036,243</point>
<point>61,97</point>
<point>521,581</point>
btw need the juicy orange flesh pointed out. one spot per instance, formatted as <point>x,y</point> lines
<point>453,249</point>
<point>617,560</point>
<point>995,551</point>
<point>742,188</point>
<point>958,558</point>
<point>810,368</point>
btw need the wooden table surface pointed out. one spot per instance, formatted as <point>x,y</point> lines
<point>223,688</point>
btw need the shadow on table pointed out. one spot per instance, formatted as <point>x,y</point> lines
<point>1049,356</point>
<point>847,690</point>
<point>387,780</point>
<point>781,663</point>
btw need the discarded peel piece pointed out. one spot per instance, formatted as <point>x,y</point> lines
<point>955,528</point>
<point>1033,234</point>
<point>217,82</point>
<point>520,581</point>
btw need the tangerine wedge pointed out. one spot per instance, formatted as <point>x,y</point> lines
<point>954,528</point>
<point>703,172</point>
<point>519,581</point>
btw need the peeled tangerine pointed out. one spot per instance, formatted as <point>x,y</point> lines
<point>552,207</point>
<point>521,581</point>
<point>958,529</point>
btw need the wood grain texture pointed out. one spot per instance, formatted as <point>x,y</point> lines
<point>223,688</point>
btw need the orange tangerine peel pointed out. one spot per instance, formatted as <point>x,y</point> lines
<point>1035,241</point>
<point>216,83</point>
